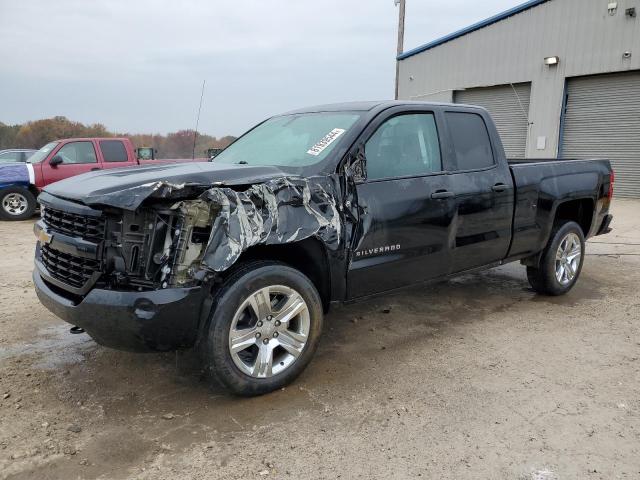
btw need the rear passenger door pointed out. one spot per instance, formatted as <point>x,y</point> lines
<point>406,207</point>
<point>114,154</point>
<point>484,195</point>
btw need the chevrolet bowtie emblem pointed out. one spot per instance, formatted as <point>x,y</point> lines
<point>44,237</point>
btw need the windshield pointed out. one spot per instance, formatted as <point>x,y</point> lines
<point>297,140</point>
<point>41,154</point>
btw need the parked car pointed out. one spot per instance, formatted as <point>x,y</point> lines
<point>213,152</point>
<point>242,256</point>
<point>15,155</point>
<point>146,153</point>
<point>21,183</point>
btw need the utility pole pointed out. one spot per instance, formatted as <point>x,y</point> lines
<point>401,3</point>
<point>195,133</point>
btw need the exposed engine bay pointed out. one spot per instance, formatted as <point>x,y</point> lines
<point>156,247</point>
<point>169,241</point>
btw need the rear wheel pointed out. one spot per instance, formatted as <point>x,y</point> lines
<point>264,328</point>
<point>561,261</point>
<point>16,203</point>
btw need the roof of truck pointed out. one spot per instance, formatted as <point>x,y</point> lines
<point>361,106</point>
<point>88,139</point>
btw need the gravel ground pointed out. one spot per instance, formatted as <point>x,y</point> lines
<point>474,378</point>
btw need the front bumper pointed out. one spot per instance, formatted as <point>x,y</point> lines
<point>157,320</point>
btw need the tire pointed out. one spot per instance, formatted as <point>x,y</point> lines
<point>262,331</point>
<point>16,203</point>
<point>553,274</point>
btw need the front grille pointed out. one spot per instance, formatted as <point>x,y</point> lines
<point>84,226</point>
<point>72,270</point>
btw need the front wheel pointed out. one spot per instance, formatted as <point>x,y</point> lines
<point>16,203</point>
<point>264,328</point>
<point>561,261</point>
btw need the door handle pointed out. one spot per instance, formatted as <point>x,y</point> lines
<point>500,187</point>
<point>442,194</point>
<point>94,169</point>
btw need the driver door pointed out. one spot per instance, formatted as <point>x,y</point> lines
<point>406,208</point>
<point>77,157</point>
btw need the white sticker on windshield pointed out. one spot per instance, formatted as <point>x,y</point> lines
<point>327,140</point>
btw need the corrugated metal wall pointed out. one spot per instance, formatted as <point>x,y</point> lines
<point>586,38</point>
<point>509,107</point>
<point>602,119</point>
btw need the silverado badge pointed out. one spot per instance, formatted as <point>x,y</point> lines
<point>377,250</point>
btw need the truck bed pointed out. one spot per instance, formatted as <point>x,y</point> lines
<point>538,182</point>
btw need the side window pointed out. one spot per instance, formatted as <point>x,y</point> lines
<point>8,157</point>
<point>470,140</point>
<point>403,146</point>
<point>78,152</point>
<point>113,151</point>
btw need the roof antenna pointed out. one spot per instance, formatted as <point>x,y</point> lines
<point>195,133</point>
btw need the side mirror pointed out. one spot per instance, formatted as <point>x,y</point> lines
<point>357,166</point>
<point>56,160</point>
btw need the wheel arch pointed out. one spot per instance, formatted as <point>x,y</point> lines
<point>308,256</point>
<point>579,210</point>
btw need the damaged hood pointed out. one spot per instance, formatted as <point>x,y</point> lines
<point>127,188</point>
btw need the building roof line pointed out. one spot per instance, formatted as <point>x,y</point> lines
<point>472,28</point>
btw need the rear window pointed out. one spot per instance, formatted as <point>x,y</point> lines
<point>113,151</point>
<point>470,140</point>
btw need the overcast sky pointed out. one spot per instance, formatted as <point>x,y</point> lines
<point>138,65</point>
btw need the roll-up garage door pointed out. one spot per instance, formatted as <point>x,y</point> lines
<point>509,107</point>
<point>602,120</point>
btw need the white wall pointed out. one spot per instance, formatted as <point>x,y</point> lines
<point>581,32</point>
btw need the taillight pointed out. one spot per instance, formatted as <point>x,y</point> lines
<point>611,179</point>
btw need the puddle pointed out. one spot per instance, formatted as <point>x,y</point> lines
<point>55,345</point>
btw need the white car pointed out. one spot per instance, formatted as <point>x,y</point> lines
<point>15,155</point>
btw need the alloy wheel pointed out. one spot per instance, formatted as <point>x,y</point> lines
<point>269,331</point>
<point>568,258</point>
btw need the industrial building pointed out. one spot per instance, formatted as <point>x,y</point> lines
<point>560,77</point>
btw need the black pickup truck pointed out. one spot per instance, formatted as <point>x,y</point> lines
<point>242,256</point>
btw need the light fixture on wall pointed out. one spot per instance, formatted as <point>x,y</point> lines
<point>612,8</point>
<point>549,61</point>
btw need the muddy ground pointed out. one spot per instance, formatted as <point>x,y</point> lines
<point>474,378</point>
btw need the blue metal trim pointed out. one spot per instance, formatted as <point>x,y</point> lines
<point>472,28</point>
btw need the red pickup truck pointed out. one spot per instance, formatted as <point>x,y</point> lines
<point>20,183</point>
